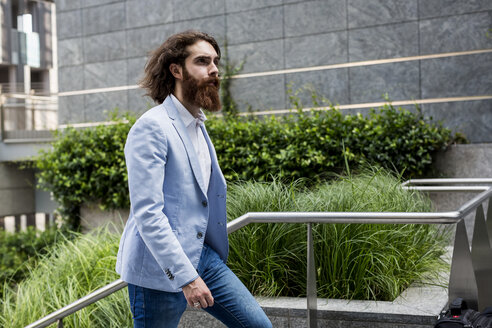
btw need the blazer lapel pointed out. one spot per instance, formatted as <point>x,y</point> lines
<point>183,134</point>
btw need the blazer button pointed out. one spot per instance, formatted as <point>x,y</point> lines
<point>204,203</point>
<point>199,235</point>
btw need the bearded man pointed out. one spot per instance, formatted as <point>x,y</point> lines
<point>174,246</point>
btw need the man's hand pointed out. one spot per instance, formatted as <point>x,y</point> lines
<point>198,292</point>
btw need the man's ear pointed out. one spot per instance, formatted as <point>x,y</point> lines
<point>176,70</point>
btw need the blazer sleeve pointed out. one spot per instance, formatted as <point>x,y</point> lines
<point>145,154</point>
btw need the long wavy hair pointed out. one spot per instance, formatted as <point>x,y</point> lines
<point>157,79</point>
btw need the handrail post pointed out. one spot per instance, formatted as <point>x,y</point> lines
<point>489,221</point>
<point>60,323</point>
<point>312,298</point>
<point>482,260</point>
<point>462,281</point>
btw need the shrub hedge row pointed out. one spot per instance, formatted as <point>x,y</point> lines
<point>316,144</point>
<point>87,165</point>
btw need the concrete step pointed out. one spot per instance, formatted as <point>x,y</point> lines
<point>417,307</point>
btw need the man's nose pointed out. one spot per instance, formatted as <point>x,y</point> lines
<point>214,70</point>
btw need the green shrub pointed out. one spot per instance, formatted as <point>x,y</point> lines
<point>87,165</point>
<point>315,145</point>
<point>22,249</point>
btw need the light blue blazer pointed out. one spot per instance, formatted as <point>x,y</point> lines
<point>171,213</point>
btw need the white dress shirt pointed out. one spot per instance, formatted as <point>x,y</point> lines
<point>195,133</point>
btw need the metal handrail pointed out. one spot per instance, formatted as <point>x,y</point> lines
<point>448,181</point>
<point>461,251</point>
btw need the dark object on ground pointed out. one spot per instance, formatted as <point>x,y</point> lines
<point>458,315</point>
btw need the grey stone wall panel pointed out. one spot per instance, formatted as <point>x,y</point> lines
<point>362,13</point>
<point>458,76</point>
<point>311,17</point>
<point>471,161</point>
<point>147,13</point>
<point>331,84</point>
<point>189,9</point>
<point>64,5</point>
<point>398,80</point>
<point>105,47</point>
<point>315,50</point>
<point>71,109</point>
<point>257,56</point>
<point>137,102</point>
<point>105,74</point>
<point>389,41</point>
<point>255,25</point>
<point>241,5</point>
<point>472,118</point>
<point>99,105</point>
<point>135,69</point>
<point>277,34</point>
<point>71,78</point>
<point>439,8</point>
<point>69,24</point>
<point>456,33</point>
<point>140,41</point>
<point>103,19</point>
<point>215,26</point>
<point>261,93</point>
<point>70,52</point>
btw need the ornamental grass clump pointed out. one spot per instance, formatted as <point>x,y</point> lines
<point>72,270</point>
<point>353,261</point>
<point>22,249</point>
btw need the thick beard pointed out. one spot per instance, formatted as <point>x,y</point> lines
<point>202,93</point>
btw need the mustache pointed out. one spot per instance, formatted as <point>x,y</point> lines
<point>211,80</point>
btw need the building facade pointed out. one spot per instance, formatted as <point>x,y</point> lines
<point>436,53</point>
<point>28,105</point>
<point>27,65</point>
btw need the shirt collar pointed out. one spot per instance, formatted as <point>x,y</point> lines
<point>186,115</point>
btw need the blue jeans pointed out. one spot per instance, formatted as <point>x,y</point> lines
<point>233,303</point>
